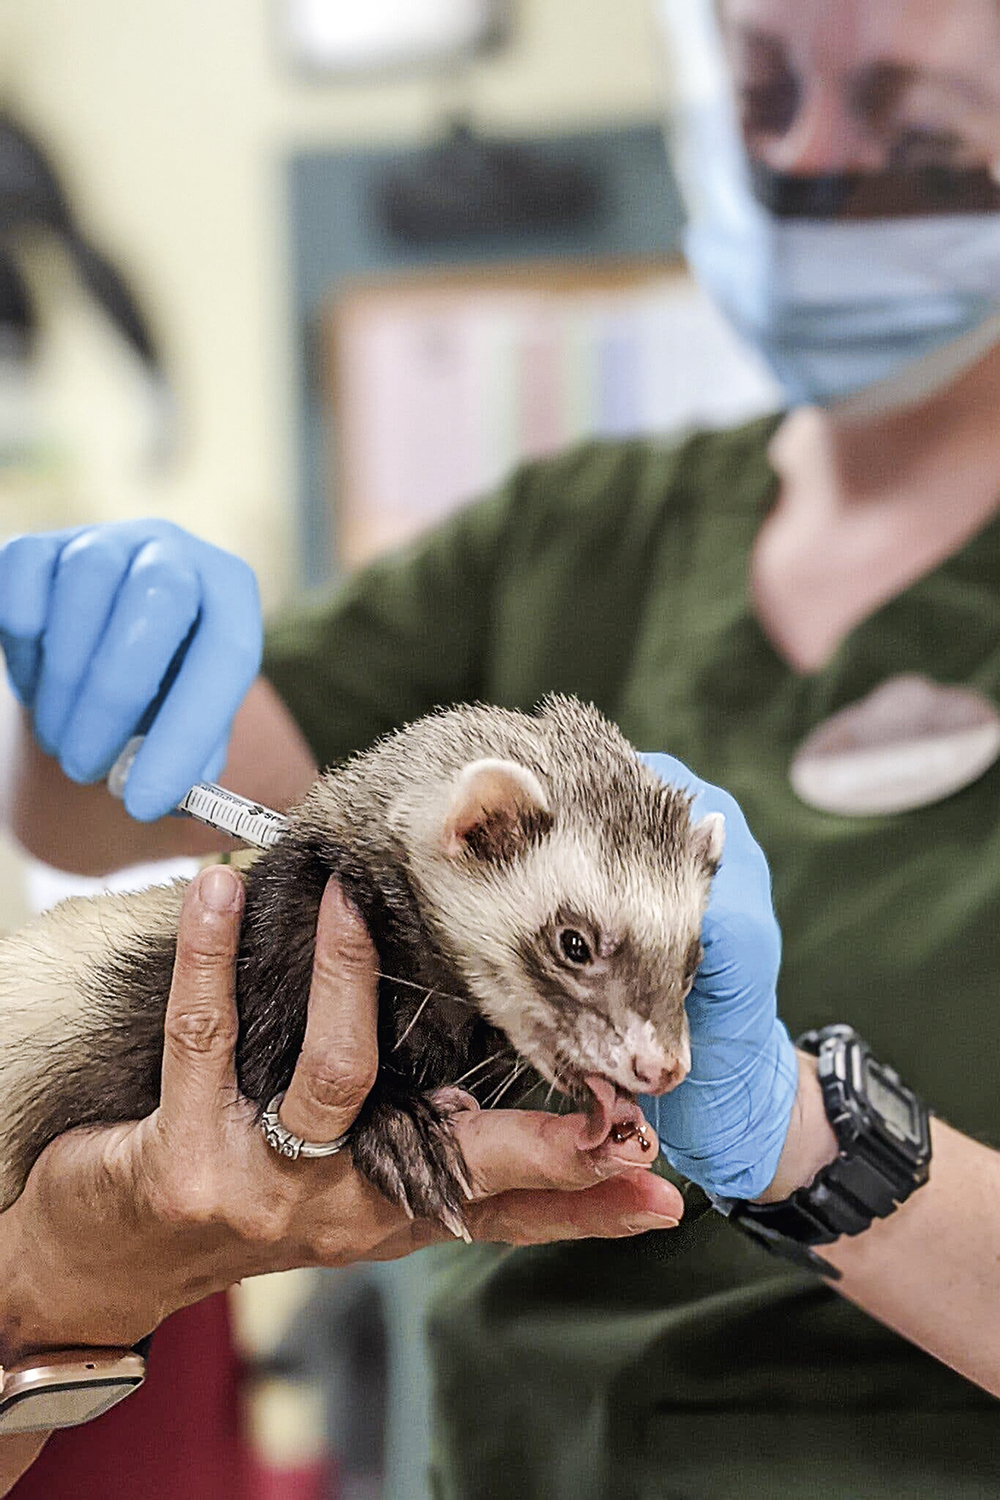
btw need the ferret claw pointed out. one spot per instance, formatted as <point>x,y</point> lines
<point>455,1224</point>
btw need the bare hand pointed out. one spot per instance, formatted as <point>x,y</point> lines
<point>119,1226</point>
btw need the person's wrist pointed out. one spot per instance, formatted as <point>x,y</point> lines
<point>76,1275</point>
<point>25,1324</point>
<point>810,1142</point>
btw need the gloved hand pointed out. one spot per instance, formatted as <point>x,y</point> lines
<point>725,1125</point>
<point>92,618</point>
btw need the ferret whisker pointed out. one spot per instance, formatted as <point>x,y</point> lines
<point>513,1078</point>
<point>494,1092</point>
<point>532,1090</point>
<point>556,1084</point>
<point>414,985</point>
<point>494,1098</point>
<point>501,1052</point>
<point>415,1018</point>
<point>559,1082</point>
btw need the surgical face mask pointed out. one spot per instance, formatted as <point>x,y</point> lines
<point>836,306</point>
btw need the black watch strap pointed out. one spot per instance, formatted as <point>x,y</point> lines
<point>883,1133</point>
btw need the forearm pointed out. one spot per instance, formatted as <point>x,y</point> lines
<point>83,828</point>
<point>931,1270</point>
<point>18,1312</point>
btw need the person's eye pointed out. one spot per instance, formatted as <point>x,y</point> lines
<point>769,108</point>
<point>919,146</point>
<point>574,947</point>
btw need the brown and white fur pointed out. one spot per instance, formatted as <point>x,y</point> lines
<point>528,883</point>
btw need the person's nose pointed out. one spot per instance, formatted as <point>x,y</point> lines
<point>824,138</point>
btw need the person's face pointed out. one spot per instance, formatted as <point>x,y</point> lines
<point>845,87</point>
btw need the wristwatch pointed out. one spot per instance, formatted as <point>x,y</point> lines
<point>882,1129</point>
<point>64,1387</point>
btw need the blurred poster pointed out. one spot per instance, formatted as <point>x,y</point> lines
<point>441,385</point>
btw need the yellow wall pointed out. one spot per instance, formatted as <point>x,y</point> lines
<point>171,120</point>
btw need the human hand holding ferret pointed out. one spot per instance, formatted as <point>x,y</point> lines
<point>119,1226</point>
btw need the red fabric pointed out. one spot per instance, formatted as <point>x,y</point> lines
<point>177,1438</point>
<point>307,1482</point>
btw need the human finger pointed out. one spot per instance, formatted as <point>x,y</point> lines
<point>85,581</point>
<point>634,1202</point>
<point>157,601</point>
<point>513,1149</point>
<point>27,564</point>
<point>201,1021</point>
<point>339,1058</point>
<point>219,665</point>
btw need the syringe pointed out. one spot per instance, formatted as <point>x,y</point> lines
<point>248,821</point>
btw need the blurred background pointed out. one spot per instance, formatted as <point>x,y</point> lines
<point>302,280</point>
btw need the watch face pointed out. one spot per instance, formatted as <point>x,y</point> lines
<point>65,1406</point>
<point>897,1108</point>
<point>62,1387</point>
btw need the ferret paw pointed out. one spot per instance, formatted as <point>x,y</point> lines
<point>410,1154</point>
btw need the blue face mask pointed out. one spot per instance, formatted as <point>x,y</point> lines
<point>837,306</point>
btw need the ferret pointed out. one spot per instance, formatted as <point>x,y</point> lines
<point>534,893</point>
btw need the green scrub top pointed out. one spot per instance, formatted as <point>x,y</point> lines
<point>690,1363</point>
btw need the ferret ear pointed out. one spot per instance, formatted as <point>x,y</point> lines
<point>708,836</point>
<point>496,808</point>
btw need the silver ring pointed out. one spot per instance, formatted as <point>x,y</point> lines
<point>281,1139</point>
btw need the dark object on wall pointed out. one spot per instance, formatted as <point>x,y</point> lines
<point>17,316</point>
<point>468,185</point>
<point>32,198</point>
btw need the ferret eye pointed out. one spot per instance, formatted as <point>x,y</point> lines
<point>575,947</point>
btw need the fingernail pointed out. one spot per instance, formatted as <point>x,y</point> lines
<point>339,897</point>
<point>644,1222</point>
<point>219,888</point>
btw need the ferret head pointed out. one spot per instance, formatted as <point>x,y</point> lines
<point>570,885</point>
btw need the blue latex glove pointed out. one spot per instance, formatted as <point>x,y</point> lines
<point>92,618</point>
<point>725,1125</point>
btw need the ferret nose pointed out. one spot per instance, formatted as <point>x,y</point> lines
<point>654,1080</point>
